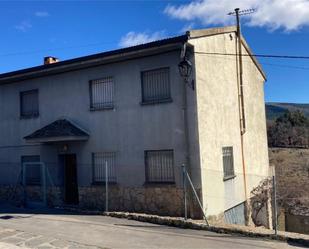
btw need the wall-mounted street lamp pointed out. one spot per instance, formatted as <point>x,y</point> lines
<point>185,71</point>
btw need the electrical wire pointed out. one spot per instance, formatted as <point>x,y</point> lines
<point>258,55</point>
<point>262,63</point>
<point>212,54</point>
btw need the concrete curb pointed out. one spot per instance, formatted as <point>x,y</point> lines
<point>228,229</point>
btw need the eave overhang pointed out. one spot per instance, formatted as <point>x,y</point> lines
<point>148,49</point>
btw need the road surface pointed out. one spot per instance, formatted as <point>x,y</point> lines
<point>59,229</point>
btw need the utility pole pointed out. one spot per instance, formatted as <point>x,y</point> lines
<point>241,84</point>
<point>237,12</point>
<point>242,121</point>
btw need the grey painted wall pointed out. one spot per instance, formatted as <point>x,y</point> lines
<point>129,129</point>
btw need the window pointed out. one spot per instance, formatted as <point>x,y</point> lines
<point>159,166</point>
<point>99,160</point>
<point>29,104</point>
<point>156,86</point>
<point>33,171</point>
<point>102,93</point>
<point>228,162</point>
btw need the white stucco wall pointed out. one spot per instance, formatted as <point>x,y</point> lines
<point>218,122</point>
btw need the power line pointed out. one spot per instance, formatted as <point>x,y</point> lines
<point>197,52</point>
<point>262,63</point>
<point>284,66</point>
<point>258,55</point>
<point>54,49</point>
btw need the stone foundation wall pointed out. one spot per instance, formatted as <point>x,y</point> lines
<point>167,200</point>
<point>161,200</point>
<point>12,194</point>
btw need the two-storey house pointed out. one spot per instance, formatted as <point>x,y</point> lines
<point>132,110</point>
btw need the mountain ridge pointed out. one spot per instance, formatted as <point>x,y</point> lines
<point>276,109</point>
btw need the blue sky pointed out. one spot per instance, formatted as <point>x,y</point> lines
<point>68,29</point>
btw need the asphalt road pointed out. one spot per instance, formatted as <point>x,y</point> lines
<point>57,229</point>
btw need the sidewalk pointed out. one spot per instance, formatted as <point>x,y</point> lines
<point>256,232</point>
<point>10,246</point>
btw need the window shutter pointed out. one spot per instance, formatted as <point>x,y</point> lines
<point>156,85</point>
<point>99,160</point>
<point>102,93</point>
<point>159,166</point>
<point>33,171</point>
<point>29,103</point>
<point>228,162</point>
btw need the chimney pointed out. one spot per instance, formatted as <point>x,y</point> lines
<point>50,60</point>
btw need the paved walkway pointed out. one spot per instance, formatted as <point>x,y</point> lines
<point>9,246</point>
<point>67,230</point>
<point>14,239</point>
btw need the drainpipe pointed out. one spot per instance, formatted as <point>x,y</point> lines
<point>241,107</point>
<point>185,115</point>
<point>186,129</point>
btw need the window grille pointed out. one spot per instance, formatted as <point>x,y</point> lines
<point>98,161</point>
<point>156,86</point>
<point>29,103</point>
<point>102,93</point>
<point>33,171</point>
<point>159,166</point>
<point>228,162</point>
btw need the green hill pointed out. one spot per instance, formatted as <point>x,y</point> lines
<point>274,110</point>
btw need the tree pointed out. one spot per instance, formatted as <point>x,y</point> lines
<point>289,130</point>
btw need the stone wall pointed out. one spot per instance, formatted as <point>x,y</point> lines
<point>160,199</point>
<point>163,200</point>
<point>12,194</point>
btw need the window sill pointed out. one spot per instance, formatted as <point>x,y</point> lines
<point>104,108</point>
<point>154,102</point>
<point>159,184</point>
<point>226,178</point>
<point>29,116</point>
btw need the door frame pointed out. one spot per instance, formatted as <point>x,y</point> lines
<point>63,157</point>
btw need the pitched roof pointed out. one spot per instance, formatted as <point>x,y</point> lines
<point>154,47</point>
<point>146,49</point>
<point>59,130</point>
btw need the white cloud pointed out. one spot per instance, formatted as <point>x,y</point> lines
<point>24,26</point>
<point>134,38</point>
<point>187,27</point>
<point>41,14</point>
<point>289,15</point>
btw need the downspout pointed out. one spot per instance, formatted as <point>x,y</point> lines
<point>185,114</point>
<point>242,121</point>
<point>186,126</point>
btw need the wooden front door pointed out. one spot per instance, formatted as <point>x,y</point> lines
<point>70,179</point>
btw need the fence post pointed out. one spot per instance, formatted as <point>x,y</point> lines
<point>106,187</point>
<point>24,182</point>
<point>187,177</point>
<point>275,203</point>
<point>184,190</point>
<point>43,172</point>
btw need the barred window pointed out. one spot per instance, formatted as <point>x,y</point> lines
<point>228,162</point>
<point>159,166</point>
<point>29,103</point>
<point>99,160</point>
<point>156,86</point>
<point>33,171</point>
<point>102,93</point>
